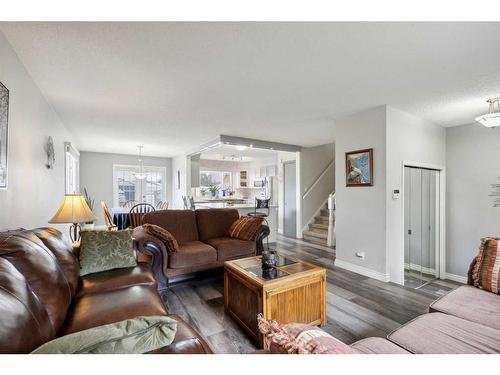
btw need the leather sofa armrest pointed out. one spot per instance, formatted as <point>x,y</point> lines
<point>470,281</point>
<point>187,340</point>
<point>152,246</point>
<point>262,233</point>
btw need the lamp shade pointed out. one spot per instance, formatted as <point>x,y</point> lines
<point>73,209</point>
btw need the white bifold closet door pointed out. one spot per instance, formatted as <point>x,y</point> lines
<point>420,200</point>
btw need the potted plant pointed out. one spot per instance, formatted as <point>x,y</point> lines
<point>213,189</point>
<point>90,202</point>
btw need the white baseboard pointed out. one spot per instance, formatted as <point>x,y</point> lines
<point>457,278</point>
<point>416,267</point>
<point>362,270</point>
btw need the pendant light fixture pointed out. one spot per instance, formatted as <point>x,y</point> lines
<point>141,175</point>
<point>492,118</point>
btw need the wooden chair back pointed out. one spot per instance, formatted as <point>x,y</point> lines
<point>137,212</point>
<point>129,204</point>
<point>108,218</point>
<point>162,205</point>
<point>191,203</point>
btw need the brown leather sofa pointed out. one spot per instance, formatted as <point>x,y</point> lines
<point>42,296</point>
<point>202,239</point>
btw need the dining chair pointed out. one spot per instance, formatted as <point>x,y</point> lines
<point>262,204</point>
<point>137,212</point>
<point>191,203</point>
<point>108,218</point>
<point>162,205</point>
<point>129,204</point>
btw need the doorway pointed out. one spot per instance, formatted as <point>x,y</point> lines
<point>290,190</point>
<point>421,225</point>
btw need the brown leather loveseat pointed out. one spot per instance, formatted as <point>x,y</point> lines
<point>42,296</point>
<point>202,238</point>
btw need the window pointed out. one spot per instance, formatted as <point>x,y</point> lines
<point>223,180</point>
<point>126,187</point>
<point>72,169</point>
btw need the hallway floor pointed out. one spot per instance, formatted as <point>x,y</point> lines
<point>357,306</point>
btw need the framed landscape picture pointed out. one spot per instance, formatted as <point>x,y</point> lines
<point>359,167</point>
<point>4,119</point>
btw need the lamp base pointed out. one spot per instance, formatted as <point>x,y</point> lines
<point>74,232</point>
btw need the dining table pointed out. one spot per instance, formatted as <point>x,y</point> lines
<point>120,217</point>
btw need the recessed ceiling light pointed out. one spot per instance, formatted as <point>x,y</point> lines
<point>492,118</point>
<point>240,147</point>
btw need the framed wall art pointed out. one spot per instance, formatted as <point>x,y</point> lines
<point>359,167</point>
<point>4,127</point>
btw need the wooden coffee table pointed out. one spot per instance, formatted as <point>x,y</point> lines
<point>293,291</point>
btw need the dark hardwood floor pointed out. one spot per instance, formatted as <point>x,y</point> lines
<point>357,306</point>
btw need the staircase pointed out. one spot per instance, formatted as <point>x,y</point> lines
<point>318,229</point>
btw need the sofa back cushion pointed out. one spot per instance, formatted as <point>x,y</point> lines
<point>27,253</point>
<point>486,271</point>
<point>215,222</point>
<point>180,223</point>
<point>63,251</point>
<point>24,322</point>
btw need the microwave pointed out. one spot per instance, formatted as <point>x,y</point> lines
<point>259,183</point>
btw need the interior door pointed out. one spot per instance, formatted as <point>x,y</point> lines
<point>290,209</point>
<point>420,200</point>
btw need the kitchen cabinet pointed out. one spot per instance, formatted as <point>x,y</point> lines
<point>243,180</point>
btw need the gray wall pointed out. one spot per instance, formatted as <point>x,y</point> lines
<point>313,161</point>
<point>409,139</point>
<point>361,211</point>
<point>473,164</point>
<point>96,174</point>
<point>34,192</point>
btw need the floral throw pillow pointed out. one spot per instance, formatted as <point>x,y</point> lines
<point>105,250</point>
<point>297,338</point>
<point>139,335</point>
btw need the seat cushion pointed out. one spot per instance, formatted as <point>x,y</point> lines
<point>470,303</point>
<point>438,333</point>
<point>115,279</point>
<point>92,310</point>
<point>186,341</point>
<point>215,222</point>
<point>377,345</point>
<point>193,253</point>
<point>231,248</point>
<point>180,223</point>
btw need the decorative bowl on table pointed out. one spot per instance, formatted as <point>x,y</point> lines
<point>269,259</point>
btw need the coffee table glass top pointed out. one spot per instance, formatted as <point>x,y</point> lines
<point>285,266</point>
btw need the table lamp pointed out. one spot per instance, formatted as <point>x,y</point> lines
<point>73,210</point>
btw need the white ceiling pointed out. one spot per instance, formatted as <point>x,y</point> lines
<point>172,86</point>
<point>224,152</point>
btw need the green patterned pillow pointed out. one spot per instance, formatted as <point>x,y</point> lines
<point>105,250</point>
<point>133,336</point>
